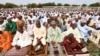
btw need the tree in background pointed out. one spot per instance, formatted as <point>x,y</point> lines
<point>59,4</point>
<point>75,5</point>
<point>33,5</point>
<point>10,5</point>
<point>1,5</point>
<point>84,5</point>
<point>49,4</point>
<point>39,5</point>
<point>95,5</point>
<point>66,4</point>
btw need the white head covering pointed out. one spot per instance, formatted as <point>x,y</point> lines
<point>53,22</point>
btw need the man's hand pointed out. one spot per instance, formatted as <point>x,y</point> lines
<point>53,43</point>
<point>89,32</point>
<point>38,40</point>
<point>70,35</point>
<point>0,49</point>
<point>0,32</point>
<point>18,47</point>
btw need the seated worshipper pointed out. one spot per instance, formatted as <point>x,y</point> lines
<point>21,38</point>
<point>21,43</point>
<point>20,22</point>
<point>39,42</point>
<point>54,34</point>
<point>5,40</point>
<point>29,18</point>
<point>64,27</point>
<point>2,24</point>
<point>75,31</point>
<point>15,19</point>
<point>72,46</point>
<point>98,24</point>
<point>85,30</point>
<point>11,26</point>
<point>91,22</point>
<point>30,28</point>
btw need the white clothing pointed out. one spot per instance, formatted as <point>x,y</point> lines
<point>39,33</point>
<point>22,39</point>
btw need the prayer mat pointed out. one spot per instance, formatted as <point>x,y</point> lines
<point>14,52</point>
<point>82,53</point>
<point>56,51</point>
<point>41,54</point>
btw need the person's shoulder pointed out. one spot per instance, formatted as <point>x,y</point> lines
<point>49,28</point>
<point>58,28</point>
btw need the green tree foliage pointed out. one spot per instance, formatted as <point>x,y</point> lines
<point>66,4</point>
<point>59,4</point>
<point>10,5</point>
<point>95,5</point>
<point>84,5</point>
<point>33,5</point>
<point>75,5</point>
<point>1,5</point>
<point>49,4</point>
<point>39,5</point>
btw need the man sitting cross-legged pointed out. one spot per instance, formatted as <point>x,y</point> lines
<point>72,46</point>
<point>39,42</point>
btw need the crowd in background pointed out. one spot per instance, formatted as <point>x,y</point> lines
<point>24,27</point>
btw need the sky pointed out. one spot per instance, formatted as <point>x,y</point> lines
<point>79,2</point>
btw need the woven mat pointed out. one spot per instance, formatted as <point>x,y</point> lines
<point>58,51</point>
<point>14,52</point>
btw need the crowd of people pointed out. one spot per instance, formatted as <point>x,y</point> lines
<point>65,26</point>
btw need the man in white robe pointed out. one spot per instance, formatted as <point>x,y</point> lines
<point>21,38</point>
<point>75,31</point>
<point>30,27</point>
<point>54,34</point>
<point>39,33</point>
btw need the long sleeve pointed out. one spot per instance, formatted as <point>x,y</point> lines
<point>14,27</point>
<point>78,35</point>
<point>7,27</point>
<point>44,32</point>
<point>59,35</point>
<point>16,37</point>
<point>81,29</point>
<point>49,34</point>
<point>89,28</point>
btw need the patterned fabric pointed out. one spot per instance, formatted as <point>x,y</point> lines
<point>57,51</point>
<point>14,52</point>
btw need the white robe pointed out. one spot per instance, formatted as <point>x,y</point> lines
<point>22,40</point>
<point>15,19</point>
<point>30,28</point>
<point>75,32</point>
<point>3,26</point>
<point>38,33</point>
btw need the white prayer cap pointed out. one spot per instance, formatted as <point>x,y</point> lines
<point>53,22</point>
<point>9,17</point>
<point>67,14</point>
<point>83,21</point>
<point>73,21</point>
<point>76,16</point>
